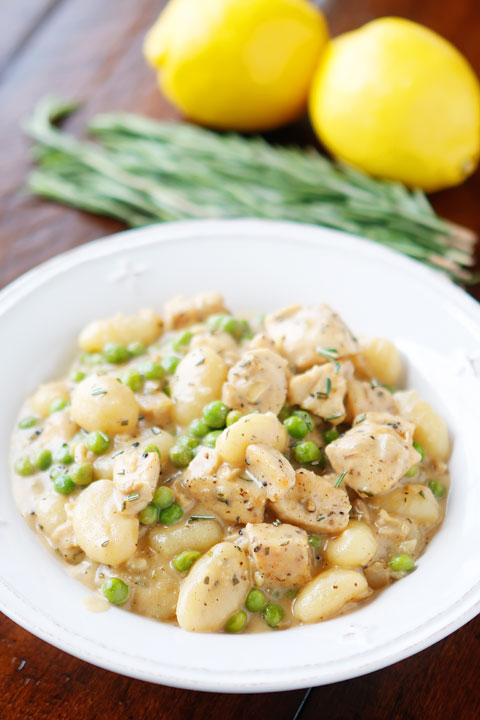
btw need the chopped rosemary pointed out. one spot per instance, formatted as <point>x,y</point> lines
<point>328,386</point>
<point>340,478</point>
<point>132,497</point>
<point>143,171</point>
<point>156,430</point>
<point>334,417</point>
<point>117,453</point>
<point>99,391</point>
<point>360,418</point>
<point>329,353</point>
<point>194,518</point>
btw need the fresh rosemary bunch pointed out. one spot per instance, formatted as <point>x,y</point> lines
<point>143,171</point>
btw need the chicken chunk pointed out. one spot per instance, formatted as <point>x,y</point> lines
<point>135,477</point>
<point>281,554</point>
<point>156,406</point>
<point>257,382</point>
<point>220,342</point>
<point>181,311</point>
<point>363,397</point>
<point>322,390</point>
<point>299,331</point>
<point>222,488</point>
<point>271,469</point>
<point>376,453</point>
<point>314,503</point>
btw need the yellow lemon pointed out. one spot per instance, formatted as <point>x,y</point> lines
<point>398,101</point>
<point>238,64</point>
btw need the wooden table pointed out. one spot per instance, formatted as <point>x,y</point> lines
<point>90,49</point>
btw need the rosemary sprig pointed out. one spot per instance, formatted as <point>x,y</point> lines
<point>143,171</point>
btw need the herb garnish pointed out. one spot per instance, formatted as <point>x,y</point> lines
<point>117,453</point>
<point>328,385</point>
<point>360,419</point>
<point>132,497</point>
<point>194,518</point>
<point>334,417</point>
<point>99,391</point>
<point>339,480</point>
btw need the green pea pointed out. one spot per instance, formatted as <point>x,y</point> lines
<point>44,459</point>
<point>235,327</point>
<point>64,455</point>
<point>170,363</point>
<point>314,541</point>
<point>91,359</point>
<point>330,435</point>
<point>167,391</point>
<point>187,441</point>
<point>180,456</point>
<point>24,466</point>
<point>198,428</point>
<point>152,448</point>
<point>307,452</point>
<point>171,514</point>
<point>133,379</point>
<point>233,416</point>
<point>182,340</point>
<point>437,488</point>
<point>412,472</point>
<point>390,388</point>
<point>81,473</point>
<point>56,471</point>
<point>296,427</point>
<point>58,404</point>
<point>215,414</point>
<point>97,441</point>
<point>152,370</point>
<point>115,591</point>
<point>27,422</point>
<point>272,614</point>
<point>291,593</point>
<point>306,417</point>
<point>163,496</point>
<point>237,622</point>
<point>115,353</point>
<point>64,484</point>
<point>149,515</point>
<point>210,439</point>
<point>419,449</point>
<point>402,563</point>
<point>136,348</point>
<point>184,561</point>
<point>284,413</point>
<point>77,376</point>
<point>255,601</point>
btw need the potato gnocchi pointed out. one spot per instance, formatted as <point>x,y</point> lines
<point>231,475</point>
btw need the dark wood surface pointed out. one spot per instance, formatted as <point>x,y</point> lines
<point>90,50</point>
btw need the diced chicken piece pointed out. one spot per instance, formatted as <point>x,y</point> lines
<point>257,382</point>
<point>157,407</point>
<point>315,504</point>
<point>135,477</point>
<point>223,489</point>
<point>322,390</point>
<point>220,342</point>
<point>58,425</point>
<point>281,554</point>
<point>299,331</point>
<point>260,340</point>
<point>271,469</point>
<point>376,453</point>
<point>181,311</point>
<point>363,397</point>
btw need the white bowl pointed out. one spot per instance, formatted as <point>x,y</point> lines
<point>258,265</point>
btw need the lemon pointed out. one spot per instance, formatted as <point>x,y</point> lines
<point>237,64</point>
<point>398,101</point>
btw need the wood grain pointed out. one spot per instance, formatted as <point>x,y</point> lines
<point>90,50</point>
